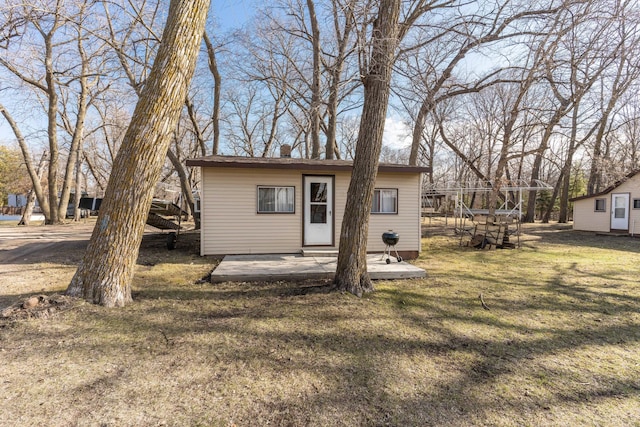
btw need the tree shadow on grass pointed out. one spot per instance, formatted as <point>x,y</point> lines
<point>410,354</point>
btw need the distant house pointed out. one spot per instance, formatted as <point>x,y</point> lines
<point>17,200</point>
<point>288,205</point>
<point>616,209</point>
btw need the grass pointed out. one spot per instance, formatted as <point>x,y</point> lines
<point>559,345</point>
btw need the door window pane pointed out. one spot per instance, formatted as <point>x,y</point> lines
<point>318,192</point>
<point>318,214</point>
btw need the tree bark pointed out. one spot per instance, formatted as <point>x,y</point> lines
<point>52,131</point>
<point>315,84</point>
<point>105,273</point>
<point>185,186</point>
<point>32,197</point>
<point>351,272</point>
<point>217,81</point>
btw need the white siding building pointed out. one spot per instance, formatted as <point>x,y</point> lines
<point>616,209</point>
<point>285,205</point>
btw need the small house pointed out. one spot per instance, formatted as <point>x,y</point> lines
<point>616,209</point>
<point>287,205</point>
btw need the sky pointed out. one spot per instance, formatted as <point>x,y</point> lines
<point>229,15</point>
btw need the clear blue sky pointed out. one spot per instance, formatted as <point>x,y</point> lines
<point>230,14</point>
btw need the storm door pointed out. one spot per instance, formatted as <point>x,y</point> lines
<point>318,210</point>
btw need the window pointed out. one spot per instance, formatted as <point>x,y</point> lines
<point>601,205</point>
<point>276,199</point>
<point>636,203</point>
<point>385,201</point>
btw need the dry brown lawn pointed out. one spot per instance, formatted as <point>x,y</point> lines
<point>560,344</point>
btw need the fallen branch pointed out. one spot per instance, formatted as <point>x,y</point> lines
<point>485,306</point>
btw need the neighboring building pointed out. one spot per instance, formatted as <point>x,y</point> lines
<point>285,205</point>
<point>17,200</point>
<point>616,209</point>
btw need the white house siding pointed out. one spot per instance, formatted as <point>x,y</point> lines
<point>586,218</point>
<point>231,224</point>
<point>407,222</point>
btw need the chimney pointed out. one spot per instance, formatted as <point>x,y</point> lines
<point>285,151</point>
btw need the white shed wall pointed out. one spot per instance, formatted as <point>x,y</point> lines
<point>231,225</point>
<point>586,218</point>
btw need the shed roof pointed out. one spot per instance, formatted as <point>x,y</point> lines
<point>608,189</point>
<point>294,163</point>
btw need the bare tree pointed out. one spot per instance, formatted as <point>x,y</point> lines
<point>351,272</point>
<point>625,74</point>
<point>61,80</point>
<point>34,174</point>
<point>217,81</point>
<point>104,276</point>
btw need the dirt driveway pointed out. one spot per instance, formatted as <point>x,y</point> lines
<point>44,258</point>
<point>20,245</point>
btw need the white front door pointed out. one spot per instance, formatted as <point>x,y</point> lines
<point>620,211</point>
<point>318,210</point>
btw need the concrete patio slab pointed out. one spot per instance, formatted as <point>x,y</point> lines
<point>253,268</point>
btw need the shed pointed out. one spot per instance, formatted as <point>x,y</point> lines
<point>287,205</point>
<point>616,209</point>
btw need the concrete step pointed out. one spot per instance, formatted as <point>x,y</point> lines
<point>330,253</point>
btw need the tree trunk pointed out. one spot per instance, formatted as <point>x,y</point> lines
<point>32,197</point>
<point>315,84</point>
<point>185,186</point>
<point>331,150</point>
<point>351,272</point>
<point>217,81</point>
<point>26,154</point>
<point>105,273</point>
<point>52,131</point>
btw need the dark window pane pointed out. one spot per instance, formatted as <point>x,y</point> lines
<point>318,214</point>
<point>266,199</point>
<point>318,192</point>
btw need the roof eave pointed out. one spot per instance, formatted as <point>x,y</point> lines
<point>299,165</point>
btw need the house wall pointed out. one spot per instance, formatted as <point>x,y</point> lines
<point>231,224</point>
<point>585,218</point>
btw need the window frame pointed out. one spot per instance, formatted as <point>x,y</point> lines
<point>275,212</point>
<point>379,192</point>
<point>604,205</point>
<point>633,203</point>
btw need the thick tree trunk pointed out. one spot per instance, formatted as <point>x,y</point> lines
<point>351,273</point>
<point>106,271</point>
